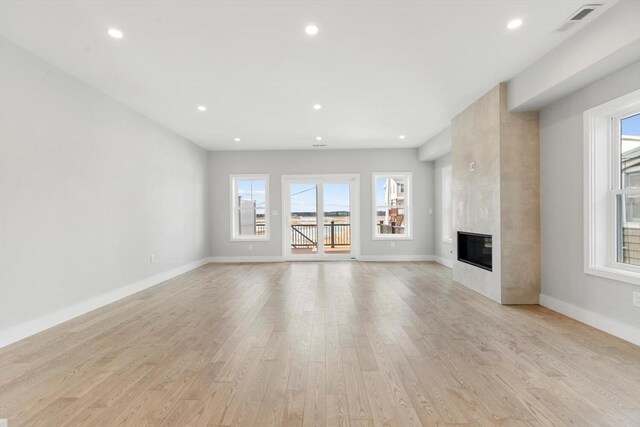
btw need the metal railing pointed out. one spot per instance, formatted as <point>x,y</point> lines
<point>390,228</point>
<point>306,235</point>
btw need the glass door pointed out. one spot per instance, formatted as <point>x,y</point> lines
<point>319,217</point>
<point>336,218</point>
<point>303,218</point>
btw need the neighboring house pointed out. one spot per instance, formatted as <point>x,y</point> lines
<point>394,197</point>
<point>630,168</point>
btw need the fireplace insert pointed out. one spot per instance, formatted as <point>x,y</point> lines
<point>475,249</point>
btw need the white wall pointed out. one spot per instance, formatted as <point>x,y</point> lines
<point>609,43</point>
<point>436,147</point>
<point>443,250</point>
<point>604,303</point>
<point>89,190</point>
<point>278,163</point>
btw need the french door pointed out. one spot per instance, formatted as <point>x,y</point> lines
<point>320,217</point>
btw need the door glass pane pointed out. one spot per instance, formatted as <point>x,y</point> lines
<point>337,218</point>
<point>303,219</point>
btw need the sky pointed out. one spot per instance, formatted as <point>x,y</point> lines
<point>303,197</point>
<point>631,125</point>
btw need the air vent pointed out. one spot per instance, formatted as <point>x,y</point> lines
<point>582,13</point>
<point>319,145</point>
<point>579,15</point>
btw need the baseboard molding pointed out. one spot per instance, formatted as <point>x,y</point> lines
<point>447,262</point>
<point>241,259</point>
<point>598,321</point>
<point>366,258</point>
<point>395,258</point>
<point>24,330</point>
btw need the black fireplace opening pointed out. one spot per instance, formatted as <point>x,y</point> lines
<point>475,249</point>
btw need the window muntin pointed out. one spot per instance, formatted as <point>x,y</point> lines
<point>250,210</point>
<point>391,206</point>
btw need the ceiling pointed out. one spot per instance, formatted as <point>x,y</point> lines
<point>380,69</point>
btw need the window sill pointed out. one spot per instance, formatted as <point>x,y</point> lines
<point>250,239</point>
<point>392,237</point>
<point>613,273</point>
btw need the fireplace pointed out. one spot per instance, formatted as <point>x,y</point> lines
<point>475,249</point>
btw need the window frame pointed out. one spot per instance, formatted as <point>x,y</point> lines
<point>602,187</point>
<point>233,218</point>
<point>408,234</point>
<point>447,208</point>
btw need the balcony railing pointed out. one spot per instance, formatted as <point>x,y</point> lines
<point>306,235</point>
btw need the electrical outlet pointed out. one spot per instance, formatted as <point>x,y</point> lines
<point>430,211</point>
<point>393,244</point>
<point>250,247</point>
<point>152,259</point>
<point>472,167</point>
<point>636,298</point>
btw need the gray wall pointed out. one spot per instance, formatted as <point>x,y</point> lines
<point>561,189</point>
<point>89,190</point>
<point>278,163</point>
<point>441,249</point>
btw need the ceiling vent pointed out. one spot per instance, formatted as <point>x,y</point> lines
<point>579,15</point>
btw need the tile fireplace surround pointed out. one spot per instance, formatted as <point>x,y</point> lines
<point>496,184</point>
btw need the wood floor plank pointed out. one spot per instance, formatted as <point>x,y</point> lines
<point>319,344</point>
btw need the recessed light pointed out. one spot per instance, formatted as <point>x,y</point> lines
<point>236,139</point>
<point>514,23</point>
<point>317,107</point>
<point>202,108</point>
<point>115,33</point>
<point>318,138</point>
<point>401,137</point>
<point>311,30</point>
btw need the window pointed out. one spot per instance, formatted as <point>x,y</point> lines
<point>447,214</point>
<point>627,189</point>
<point>612,189</point>
<point>392,206</point>
<point>250,207</point>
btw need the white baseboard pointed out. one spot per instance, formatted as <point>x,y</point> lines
<point>396,258</point>
<point>238,259</point>
<point>447,262</point>
<point>16,333</point>
<point>380,258</point>
<point>598,321</point>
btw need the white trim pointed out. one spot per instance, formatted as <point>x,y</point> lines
<point>245,259</point>
<point>395,258</point>
<point>408,235</point>
<point>232,212</point>
<point>599,185</point>
<point>621,330</point>
<point>320,180</point>
<point>31,327</point>
<point>447,262</point>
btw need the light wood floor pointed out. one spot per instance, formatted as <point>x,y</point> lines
<point>341,343</point>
